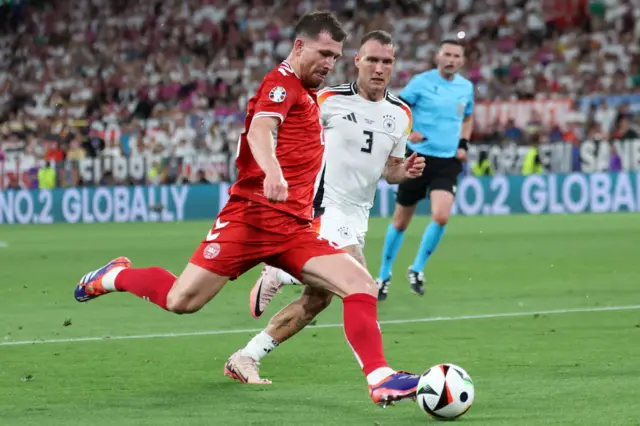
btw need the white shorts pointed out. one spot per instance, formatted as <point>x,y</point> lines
<point>342,228</point>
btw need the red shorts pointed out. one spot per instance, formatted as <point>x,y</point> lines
<point>247,233</point>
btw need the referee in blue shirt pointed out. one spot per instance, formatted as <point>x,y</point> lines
<point>441,101</point>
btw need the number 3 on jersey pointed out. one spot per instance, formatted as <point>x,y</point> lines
<point>369,141</point>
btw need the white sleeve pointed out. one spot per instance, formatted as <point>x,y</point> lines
<point>326,113</point>
<point>399,148</point>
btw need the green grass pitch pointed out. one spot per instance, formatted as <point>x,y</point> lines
<point>555,368</point>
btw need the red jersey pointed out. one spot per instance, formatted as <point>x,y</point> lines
<point>299,142</point>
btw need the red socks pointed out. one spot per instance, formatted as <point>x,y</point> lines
<point>152,284</point>
<point>363,331</point>
<point>360,312</point>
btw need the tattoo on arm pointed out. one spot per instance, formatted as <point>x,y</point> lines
<point>394,170</point>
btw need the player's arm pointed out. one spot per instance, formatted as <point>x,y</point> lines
<point>394,171</point>
<point>465,133</point>
<point>270,111</point>
<point>467,122</point>
<point>467,129</point>
<point>262,145</point>
<point>397,169</point>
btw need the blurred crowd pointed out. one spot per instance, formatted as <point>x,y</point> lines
<point>167,80</point>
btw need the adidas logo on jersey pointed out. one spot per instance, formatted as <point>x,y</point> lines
<point>350,117</point>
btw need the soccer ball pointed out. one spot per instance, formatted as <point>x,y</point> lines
<point>445,391</point>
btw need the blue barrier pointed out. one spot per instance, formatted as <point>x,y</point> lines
<point>535,194</point>
<point>498,195</point>
<point>110,204</point>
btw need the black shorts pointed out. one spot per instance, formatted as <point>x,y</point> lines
<point>439,173</point>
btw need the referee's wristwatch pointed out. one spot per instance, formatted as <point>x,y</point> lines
<point>463,144</point>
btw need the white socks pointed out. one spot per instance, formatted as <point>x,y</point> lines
<point>109,279</point>
<point>262,344</point>
<point>259,346</point>
<point>378,374</point>
<point>286,279</point>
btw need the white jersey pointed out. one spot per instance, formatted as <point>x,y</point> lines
<point>360,136</point>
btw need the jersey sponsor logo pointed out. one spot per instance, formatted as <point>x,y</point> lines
<point>277,94</point>
<point>211,251</point>
<point>389,123</point>
<point>461,106</point>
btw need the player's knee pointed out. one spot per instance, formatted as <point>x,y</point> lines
<point>440,217</point>
<point>362,283</point>
<point>400,225</point>
<point>401,220</point>
<point>181,303</point>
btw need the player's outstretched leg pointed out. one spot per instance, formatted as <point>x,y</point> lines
<point>392,243</point>
<point>244,364</point>
<point>270,282</point>
<point>343,276</point>
<point>441,202</point>
<point>186,294</point>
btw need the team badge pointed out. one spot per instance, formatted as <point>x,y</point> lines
<point>345,232</point>
<point>277,94</point>
<point>389,124</point>
<point>211,251</point>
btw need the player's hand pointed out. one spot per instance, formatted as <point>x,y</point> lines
<point>276,188</point>
<point>414,166</point>
<point>415,137</point>
<point>461,155</point>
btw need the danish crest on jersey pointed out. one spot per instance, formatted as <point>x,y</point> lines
<point>277,94</point>
<point>389,124</point>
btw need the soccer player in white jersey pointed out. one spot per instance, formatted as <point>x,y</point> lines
<point>365,129</point>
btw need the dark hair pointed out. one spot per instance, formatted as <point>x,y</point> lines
<point>320,21</point>
<point>453,42</point>
<point>380,36</point>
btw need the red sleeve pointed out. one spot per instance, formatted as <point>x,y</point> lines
<point>277,97</point>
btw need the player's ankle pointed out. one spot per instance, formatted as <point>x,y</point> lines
<point>259,346</point>
<point>109,279</point>
<point>378,375</point>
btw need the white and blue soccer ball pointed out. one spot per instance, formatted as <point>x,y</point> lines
<point>445,391</point>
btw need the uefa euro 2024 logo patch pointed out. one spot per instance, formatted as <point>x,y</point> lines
<point>277,94</point>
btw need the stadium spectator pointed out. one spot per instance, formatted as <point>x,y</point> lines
<point>98,78</point>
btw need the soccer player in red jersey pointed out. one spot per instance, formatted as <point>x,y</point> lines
<point>268,217</point>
